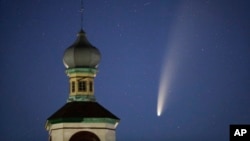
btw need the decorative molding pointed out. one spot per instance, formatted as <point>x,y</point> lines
<point>78,97</point>
<point>81,70</point>
<point>82,120</point>
<point>101,128</point>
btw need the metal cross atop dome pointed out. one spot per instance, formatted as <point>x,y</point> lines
<point>81,12</point>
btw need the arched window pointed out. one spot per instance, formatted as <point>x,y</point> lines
<point>84,136</point>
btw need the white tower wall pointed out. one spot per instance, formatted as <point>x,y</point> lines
<point>64,131</point>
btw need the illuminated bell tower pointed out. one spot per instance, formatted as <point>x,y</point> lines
<point>82,118</point>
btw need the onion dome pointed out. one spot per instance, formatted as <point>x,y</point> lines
<point>81,54</point>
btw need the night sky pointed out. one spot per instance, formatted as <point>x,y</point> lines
<point>207,43</point>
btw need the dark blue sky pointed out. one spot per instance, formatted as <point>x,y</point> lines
<point>208,39</point>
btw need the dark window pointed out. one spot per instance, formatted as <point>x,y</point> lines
<point>81,86</point>
<point>73,86</point>
<point>90,86</point>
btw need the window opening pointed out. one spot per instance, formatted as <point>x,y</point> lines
<point>81,86</point>
<point>90,86</point>
<point>73,86</point>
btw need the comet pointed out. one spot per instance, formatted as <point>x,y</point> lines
<point>162,92</point>
<point>170,65</point>
<point>177,41</point>
<point>164,84</point>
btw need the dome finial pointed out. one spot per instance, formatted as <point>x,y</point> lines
<point>81,54</point>
<point>81,12</point>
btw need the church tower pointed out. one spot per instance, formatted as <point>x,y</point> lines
<point>82,118</point>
